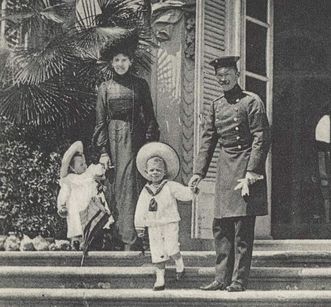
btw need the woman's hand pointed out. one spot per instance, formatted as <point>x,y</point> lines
<point>105,161</point>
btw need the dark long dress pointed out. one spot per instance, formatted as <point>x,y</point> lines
<point>124,114</point>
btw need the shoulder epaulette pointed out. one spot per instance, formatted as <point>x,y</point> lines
<point>253,95</point>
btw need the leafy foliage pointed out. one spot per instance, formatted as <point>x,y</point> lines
<point>50,71</point>
<point>51,75</point>
<point>28,185</point>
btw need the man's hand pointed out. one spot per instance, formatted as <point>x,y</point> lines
<point>105,161</point>
<point>195,190</point>
<point>253,177</point>
<point>244,186</point>
<point>244,183</point>
<point>194,182</point>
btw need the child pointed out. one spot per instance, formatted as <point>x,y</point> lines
<point>78,186</point>
<point>157,206</point>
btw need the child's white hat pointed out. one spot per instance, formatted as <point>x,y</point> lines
<point>76,147</point>
<point>162,150</point>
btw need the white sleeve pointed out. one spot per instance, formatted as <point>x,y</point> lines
<point>141,211</point>
<point>180,192</point>
<point>95,170</point>
<point>64,193</point>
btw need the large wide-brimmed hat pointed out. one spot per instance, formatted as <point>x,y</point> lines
<point>162,150</point>
<point>75,148</point>
<point>126,45</point>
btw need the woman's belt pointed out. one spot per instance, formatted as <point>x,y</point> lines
<point>126,116</point>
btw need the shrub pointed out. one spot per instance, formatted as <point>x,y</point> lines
<point>28,185</point>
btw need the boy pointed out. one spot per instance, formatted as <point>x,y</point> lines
<point>157,207</point>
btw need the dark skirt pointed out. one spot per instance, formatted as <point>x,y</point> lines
<point>126,182</point>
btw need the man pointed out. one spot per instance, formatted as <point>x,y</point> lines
<point>238,122</point>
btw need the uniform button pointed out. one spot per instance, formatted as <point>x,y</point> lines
<point>238,137</point>
<point>237,128</point>
<point>235,119</point>
<point>239,146</point>
<point>237,100</point>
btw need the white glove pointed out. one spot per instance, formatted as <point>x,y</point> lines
<point>253,177</point>
<point>243,185</point>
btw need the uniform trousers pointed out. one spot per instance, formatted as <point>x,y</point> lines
<point>234,238</point>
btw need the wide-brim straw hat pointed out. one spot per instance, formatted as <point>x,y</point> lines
<point>75,148</point>
<point>162,150</point>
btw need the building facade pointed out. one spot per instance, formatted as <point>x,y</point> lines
<point>284,57</point>
<point>283,47</point>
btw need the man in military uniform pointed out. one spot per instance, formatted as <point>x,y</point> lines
<point>236,121</point>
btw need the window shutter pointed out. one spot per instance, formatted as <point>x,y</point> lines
<point>212,37</point>
<point>210,44</point>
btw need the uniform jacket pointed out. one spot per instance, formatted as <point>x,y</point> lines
<point>236,122</point>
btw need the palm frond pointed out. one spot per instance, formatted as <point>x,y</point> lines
<point>54,83</point>
<point>87,14</point>
<point>93,39</point>
<point>33,66</point>
<point>45,104</point>
<point>32,14</point>
<point>123,13</point>
<point>91,72</point>
<point>6,72</point>
<point>34,17</point>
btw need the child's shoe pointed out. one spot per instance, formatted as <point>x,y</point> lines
<point>160,282</point>
<point>180,275</point>
<point>158,288</point>
<point>76,245</point>
<point>180,269</point>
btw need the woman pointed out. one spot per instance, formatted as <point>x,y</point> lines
<point>124,122</point>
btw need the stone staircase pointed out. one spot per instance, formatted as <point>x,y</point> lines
<point>284,273</point>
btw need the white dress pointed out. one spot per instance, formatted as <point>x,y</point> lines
<point>75,194</point>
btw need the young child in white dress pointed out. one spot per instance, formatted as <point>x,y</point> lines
<point>157,207</point>
<point>78,186</point>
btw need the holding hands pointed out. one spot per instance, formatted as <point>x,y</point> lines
<point>63,212</point>
<point>194,182</point>
<point>105,161</point>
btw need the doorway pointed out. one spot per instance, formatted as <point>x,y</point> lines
<point>301,98</point>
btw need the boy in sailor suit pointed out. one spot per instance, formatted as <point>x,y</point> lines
<point>157,207</point>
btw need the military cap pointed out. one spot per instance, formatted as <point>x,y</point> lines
<point>225,61</point>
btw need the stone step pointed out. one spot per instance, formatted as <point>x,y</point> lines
<point>202,258</point>
<point>146,297</point>
<point>292,245</point>
<point>264,278</point>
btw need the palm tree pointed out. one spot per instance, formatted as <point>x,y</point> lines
<point>52,63</point>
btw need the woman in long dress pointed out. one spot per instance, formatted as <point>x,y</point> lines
<point>125,121</point>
